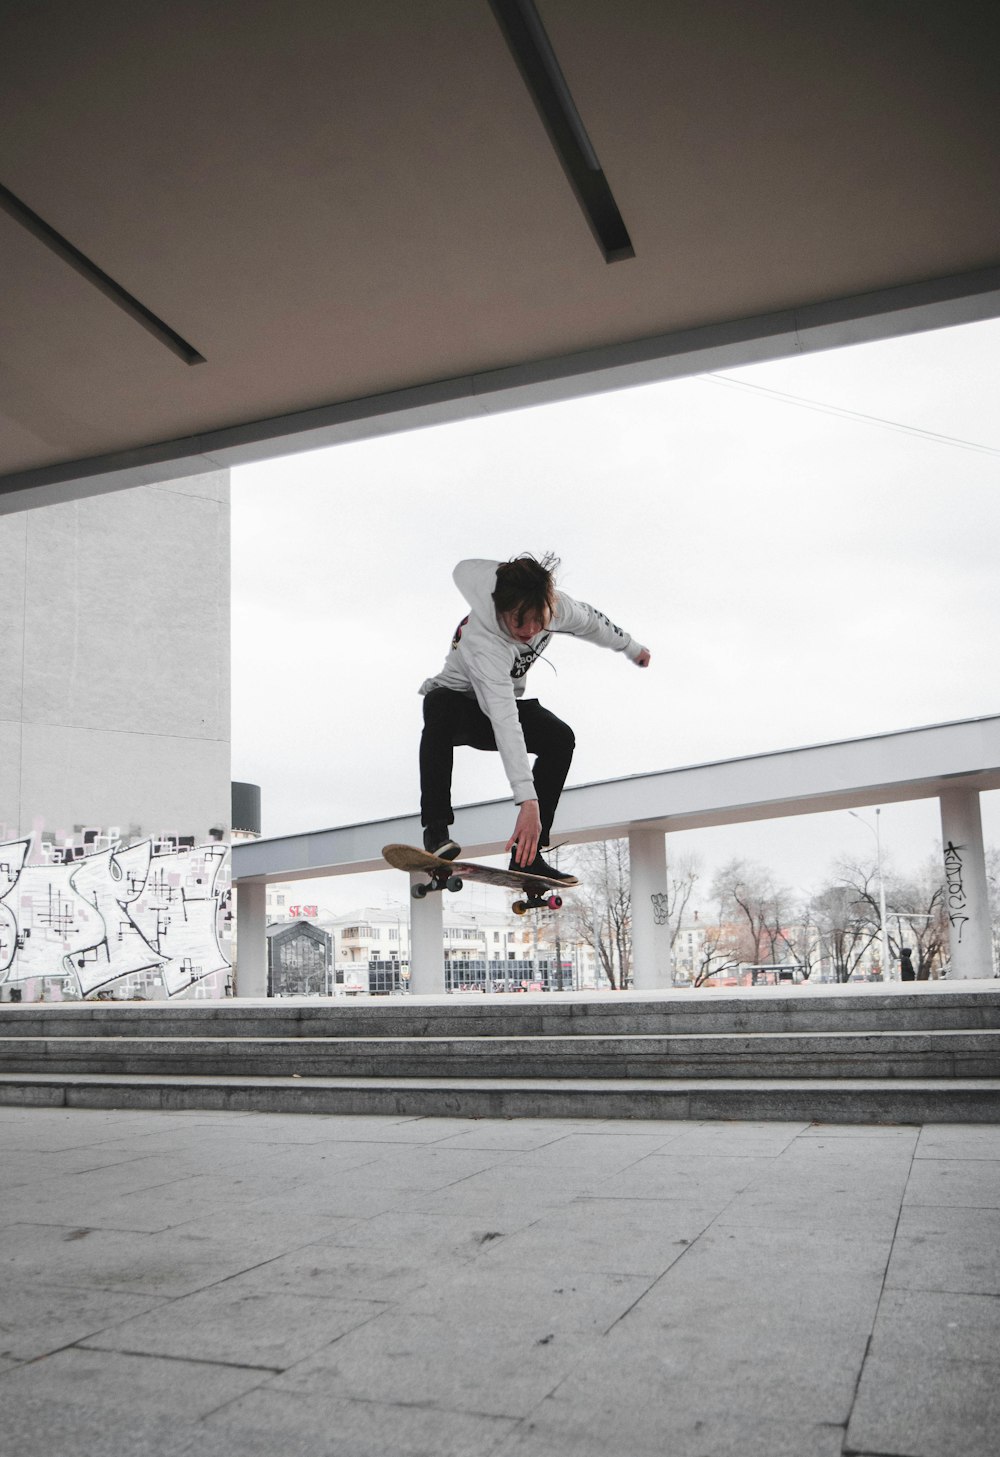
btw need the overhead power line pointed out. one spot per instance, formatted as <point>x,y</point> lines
<point>824,409</point>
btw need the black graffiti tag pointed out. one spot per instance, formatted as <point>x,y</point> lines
<point>957,899</point>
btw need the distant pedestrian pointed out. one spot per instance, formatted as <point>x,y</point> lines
<point>906,972</point>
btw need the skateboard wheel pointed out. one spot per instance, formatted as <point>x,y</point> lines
<point>520,908</point>
<point>555,901</point>
<point>418,892</point>
<point>454,882</point>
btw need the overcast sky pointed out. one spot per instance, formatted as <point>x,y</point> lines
<point>798,573</point>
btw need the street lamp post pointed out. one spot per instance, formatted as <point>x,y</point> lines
<point>883,923</point>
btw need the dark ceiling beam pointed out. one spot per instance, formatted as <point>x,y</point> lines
<point>103,282</point>
<point>529,44</point>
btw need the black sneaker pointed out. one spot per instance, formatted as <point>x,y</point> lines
<point>539,866</point>
<point>438,842</point>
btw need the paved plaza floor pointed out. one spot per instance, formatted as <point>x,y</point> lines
<point>229,1285</point>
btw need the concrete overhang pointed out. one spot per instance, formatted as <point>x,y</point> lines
<point>886,768</point>
<point>234,231</point>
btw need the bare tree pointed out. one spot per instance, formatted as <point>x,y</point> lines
<point>682,875</point>
<point>720,951</point>
<point>843,913</point>
<point>915,910</point>
<point>806,937</point>
<point>601,906</point>
<point>747,894</point>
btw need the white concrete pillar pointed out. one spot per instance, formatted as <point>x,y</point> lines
<point>966,893</point>
<point>426,941</point>
<point>651,961</point>
<point>251,939</point>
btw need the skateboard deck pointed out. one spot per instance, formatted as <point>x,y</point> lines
<point>449,875</point>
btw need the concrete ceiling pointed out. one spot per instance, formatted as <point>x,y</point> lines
<point>352,212</point>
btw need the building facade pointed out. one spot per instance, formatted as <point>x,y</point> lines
<point>115,743</point>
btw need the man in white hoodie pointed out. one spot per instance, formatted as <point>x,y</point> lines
<point>477,699</point>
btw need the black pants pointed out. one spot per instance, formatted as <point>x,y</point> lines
<point>455,718</point>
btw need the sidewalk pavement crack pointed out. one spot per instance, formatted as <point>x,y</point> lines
<point>688,1247</point>
<point>181,1360</point>
<point>878,1305</point>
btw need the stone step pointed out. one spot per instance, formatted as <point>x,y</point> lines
<point>921,1054</point>
<point>847,1100</point>
<point>765,1010</point>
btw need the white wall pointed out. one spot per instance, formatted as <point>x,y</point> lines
<point>114,663</point>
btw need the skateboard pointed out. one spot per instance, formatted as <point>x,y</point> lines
<point>449,875</point>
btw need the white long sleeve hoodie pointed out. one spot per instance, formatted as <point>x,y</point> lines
<point>486,663</point>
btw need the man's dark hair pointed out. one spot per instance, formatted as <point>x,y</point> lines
<point>526,586</point>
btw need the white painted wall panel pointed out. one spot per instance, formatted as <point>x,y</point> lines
<point>13,533</point>
<point>114,661</point>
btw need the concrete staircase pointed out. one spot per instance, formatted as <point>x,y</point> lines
<point>860,1056</point>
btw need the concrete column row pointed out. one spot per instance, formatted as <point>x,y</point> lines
<point>967,905</point>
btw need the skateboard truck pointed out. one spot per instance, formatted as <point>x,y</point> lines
<point>440,880</point>
<point>536,903</point>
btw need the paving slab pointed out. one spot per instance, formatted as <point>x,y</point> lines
<point>544,1302</point>
<point>945,1349</point>
<point>624,1236</point>
<point>935,1325</point>
<point>360,1428</point>
<point>30,1165</point>
<point>415,1169</point>
<point>686,1177</point>
<point>668,1430</point>
<point>961,1141</point>
<point>103,1381</point>
<point>946,1249</point>
<point>230,1324</point>
<point>799,1302</point>
<point>39,1319</point>
<point>155,1206</point>
<point>426,1239</point>
<point>604,1151</point>
<point>416,1358</point>
<point>966,1183</point>
<point>173,1264</point>
<point>835,1144</point>
<point>745,1139</point>
<point>859,1184</point>
<point>38,1427</point>
<point>516,1196</point>
<point>338,1272</point>
<point>518,1135</point>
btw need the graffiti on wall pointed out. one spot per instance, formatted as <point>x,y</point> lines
<point>958,901</point>
<point>142,919</point>
<point>661,908</point>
